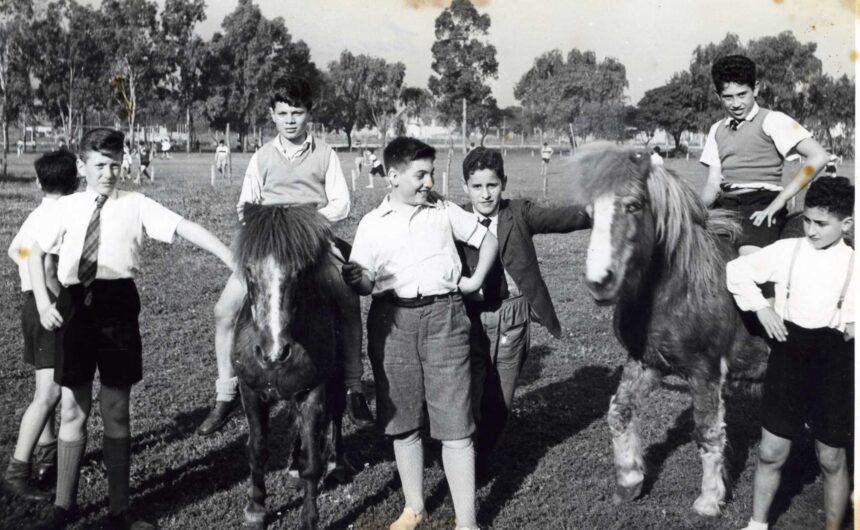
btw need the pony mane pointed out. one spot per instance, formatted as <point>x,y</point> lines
<point>298,237</point>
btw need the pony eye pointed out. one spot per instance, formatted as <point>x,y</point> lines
<point>634,207</point>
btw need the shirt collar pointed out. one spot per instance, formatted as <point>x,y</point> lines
<point>93,194</point>
<point>292,151</point>
<point>748,117</point>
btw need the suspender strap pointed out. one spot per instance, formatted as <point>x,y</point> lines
<point>847,281</point>
<point>791,269</point>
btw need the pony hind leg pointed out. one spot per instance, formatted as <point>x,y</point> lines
<point>710,436</point>
<point>637,381</point>
<point>257,412</point>
<point>312,425</point>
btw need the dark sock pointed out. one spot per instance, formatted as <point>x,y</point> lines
<point>69,457</point>
<point>117,453</point>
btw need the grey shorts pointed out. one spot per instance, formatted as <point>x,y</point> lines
<point>421,354</point>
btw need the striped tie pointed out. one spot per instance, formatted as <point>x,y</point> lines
<point>90,253</point>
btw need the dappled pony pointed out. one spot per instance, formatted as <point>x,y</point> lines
<point>286,344</point>
<point>659,255</point>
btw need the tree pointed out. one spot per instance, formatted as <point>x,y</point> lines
<point>15,16</point>
<point>831,106</point>
<point>461,61</point>
<point>184,53</point>
<point>670,106</point>
<point>555,92</point>
<point>485,116</point>
<point>382,102</point>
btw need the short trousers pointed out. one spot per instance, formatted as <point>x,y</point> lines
<point>810,381</point>
<point>104,335</point>
<point>744,205</point>
<point>378,171</point>
<point>39,343</point>
<point>418,355</point>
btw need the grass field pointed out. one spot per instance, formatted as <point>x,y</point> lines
<point>553,470</point>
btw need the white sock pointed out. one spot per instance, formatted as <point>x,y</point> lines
<point>755,525</point>
<point>458,458</point>
<point>226,389</point>
<point>409,455</point>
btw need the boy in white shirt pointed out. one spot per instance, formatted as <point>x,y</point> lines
<point>810,370</point>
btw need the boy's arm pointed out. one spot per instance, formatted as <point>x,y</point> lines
<point>204,239</point>
<point>49,316</point>
<point>557,220</point>
<point>487,253</point>
<point>336,192</point>
<point>711,158</point>
<point>15,247</point>
<point>252,187</point>
<point>356,273</point>
<point>358,278</point>
<point>742,275</point>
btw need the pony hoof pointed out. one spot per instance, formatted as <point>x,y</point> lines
<point>707,507</point>
<point>293,480</point>
<point>255,516</point>
<point>626,493</point>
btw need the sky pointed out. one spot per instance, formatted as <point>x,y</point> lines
<point>653,39</point>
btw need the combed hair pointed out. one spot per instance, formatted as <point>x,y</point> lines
<point>404,150</point>
<point>57,172</point>
<point>101,140</point>
<point>482,158</point>
<point>294,91</point>
<point>834,194</point>
<point>733,69</point>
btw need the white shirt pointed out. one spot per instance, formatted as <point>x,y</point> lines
<point>336,190</point>
<point>656,160</point>
<point>222,151</point>
<point>546,152</point>
<point>414,255</point>
<point>19,250</point>
<point>124,218</point>
<point>816,282</point>
<point>784,131</point>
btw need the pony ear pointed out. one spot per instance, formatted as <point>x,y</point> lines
<point>642,161</point>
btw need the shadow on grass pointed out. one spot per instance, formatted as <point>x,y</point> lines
<point>533,367</point>
<point>547,417</point>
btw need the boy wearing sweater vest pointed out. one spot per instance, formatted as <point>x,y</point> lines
<point>294,168</point>
<point>745,152</point>
<point>810,370</point>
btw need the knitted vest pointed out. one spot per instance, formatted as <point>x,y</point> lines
<point>748,154</point>
<point>297,181</point>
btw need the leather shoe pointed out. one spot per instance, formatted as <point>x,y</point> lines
<point>60,519</point>
<point>126,521</point>
<point>356,409</point>
<point>219,416</point>
<point>21,488</point>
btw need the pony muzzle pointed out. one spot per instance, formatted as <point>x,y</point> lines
<point>275,355</point>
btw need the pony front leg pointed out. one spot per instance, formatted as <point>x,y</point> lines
<point>710,435</point>
<point>257,412</point>
<point>312,414</point>
<point>637,381</point>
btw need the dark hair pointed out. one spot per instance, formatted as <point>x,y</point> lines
<point>833,194</point>
<point>404,150</point>
<point>733,69</point>
<point>102,140</point>
<point>57,172</point>
<point>483,158</point>
<point>294,91</point>
<point>657,149</point>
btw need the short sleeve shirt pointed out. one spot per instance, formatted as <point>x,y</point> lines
<point>415,255</point>
<point>125,218</point>
<point>35,223</point>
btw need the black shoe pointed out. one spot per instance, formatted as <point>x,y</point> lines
<point>45,477</point>
<point>126,521</point>
<point>356,409</point>
<point>21,488</point>
<point>220,415</point>
<point>60,519</point>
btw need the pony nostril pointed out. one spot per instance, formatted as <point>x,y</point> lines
<point>607,280</point>
<point>285,352</point>
<point>258,350</point>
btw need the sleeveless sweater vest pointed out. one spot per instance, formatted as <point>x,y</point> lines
<point>748,154</point>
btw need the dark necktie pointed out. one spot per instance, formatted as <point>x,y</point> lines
<point>495,284</point>
<point>486,222</point>
<point>89,255</point>
<point>734,124</point>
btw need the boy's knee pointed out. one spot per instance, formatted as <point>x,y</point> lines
<point>47,398</point>
<point>773,453</point>
<point>831,459</point>
<point>462,443</point>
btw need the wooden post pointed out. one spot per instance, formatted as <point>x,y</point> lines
<point>464,126</point>
<point>352,176</point>
<point>212,175</point>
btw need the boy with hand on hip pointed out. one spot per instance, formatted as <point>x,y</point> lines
<point>294,168</point>
<point>500,312</point>
<point>418,331</point>
<point>57,176</point>
<point>810,370</point>
<point>97,234</point>
<point>745,152</point>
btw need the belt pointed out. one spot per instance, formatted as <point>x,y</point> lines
<point>419,301</point>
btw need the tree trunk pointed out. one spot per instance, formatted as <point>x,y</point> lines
<point>348,139</point>
<point>188,128</point>
<point>5,124</point>
<point>676,135</point>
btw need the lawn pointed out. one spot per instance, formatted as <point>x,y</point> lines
<point>553,470</point>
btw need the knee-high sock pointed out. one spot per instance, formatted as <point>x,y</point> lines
<point>226,389</point>
<point>69,457</point>
<point>117,453</point>
<point>409,455</point>
<point>458,458</point>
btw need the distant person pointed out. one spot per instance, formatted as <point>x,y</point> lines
<point>745,151</point>
<point>57,175</point>
<point>656,156</point>
<point>831,167</point>
<point>471,147</point>
<point>165,148</point>
<point>125,170</point>
<point>376,168</point>
<point>222,157</point>
<point>545,155</point>
<point>19,148</point>
<point>143,154</point>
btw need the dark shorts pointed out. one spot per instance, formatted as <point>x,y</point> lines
<point>103,335</point>
<point>39,343</point>
<point>377,170</point>
<point>744,205</point>
<point>810,381</point>
<point>418,355</point>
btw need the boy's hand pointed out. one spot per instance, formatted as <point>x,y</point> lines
<point>468,285</point>
<point>768,213</point>
<point>772,323</point>
<point>849,332</point>
<point>353,273</point>
<point>50,317</point>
